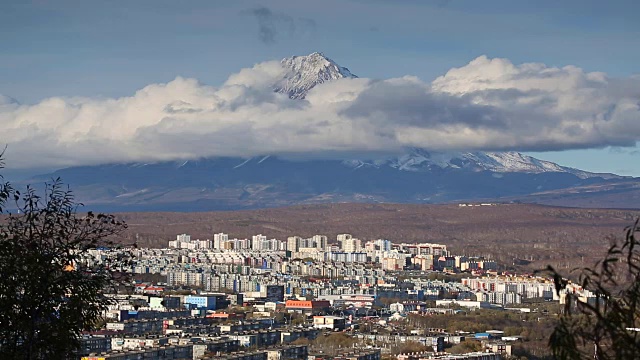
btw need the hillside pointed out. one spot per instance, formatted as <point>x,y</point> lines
<point>541,235</point>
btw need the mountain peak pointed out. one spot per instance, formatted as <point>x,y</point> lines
<point>305,72</point>
<point>315,54</point>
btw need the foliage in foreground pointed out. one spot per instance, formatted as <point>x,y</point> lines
<point>48,293</point>
<point>606,328</point>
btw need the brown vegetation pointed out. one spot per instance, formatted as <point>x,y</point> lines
<point>531,236</point>
<point>332,344</point>
<point>533,328</point>
<point>410,347</point>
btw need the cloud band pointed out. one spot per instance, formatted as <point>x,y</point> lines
<point>489,104</point>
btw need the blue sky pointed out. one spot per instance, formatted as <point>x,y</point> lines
<point>110,49</point>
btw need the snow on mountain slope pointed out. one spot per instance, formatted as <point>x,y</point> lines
<point>419,160</point>
<point>512,161</point>
<point>305,72</point>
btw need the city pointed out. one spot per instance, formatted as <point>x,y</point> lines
<point>255,298</point>
<point>319,180</point>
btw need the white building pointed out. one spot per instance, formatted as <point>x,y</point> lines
<point>343,237</point>
<point>182,241</point>
<point>293,243</point>
<point>257,242</point>
<point>464,303</point>
<point>351,245</point>
<point>320,242</point>
<point>219,239</point>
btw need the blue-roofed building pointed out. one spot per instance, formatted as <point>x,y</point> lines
<point>207,302</point>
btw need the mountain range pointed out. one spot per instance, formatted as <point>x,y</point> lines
<point>413,176</point>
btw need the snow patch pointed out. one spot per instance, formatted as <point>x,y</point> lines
<point>133,193</point>
<point>243,163</point>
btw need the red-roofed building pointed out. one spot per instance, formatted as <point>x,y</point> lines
<point>308,306</point>
<point>139,288</point>
<point>153,290</point>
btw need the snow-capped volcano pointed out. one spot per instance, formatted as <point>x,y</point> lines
<point>305,72</point>
<point>413,176</point>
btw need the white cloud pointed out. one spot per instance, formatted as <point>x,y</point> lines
<point>489,104</point>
